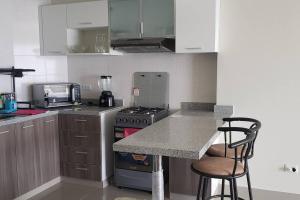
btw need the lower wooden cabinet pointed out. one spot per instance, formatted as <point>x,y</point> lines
<point>8,167</point>
<point>80,145</point>
<point>82,171</point>
<point>48,148</point>
<point>27,156</point>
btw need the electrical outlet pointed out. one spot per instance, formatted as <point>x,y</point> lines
<point>291,168</point>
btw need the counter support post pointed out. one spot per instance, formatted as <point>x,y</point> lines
<point>157,179</point>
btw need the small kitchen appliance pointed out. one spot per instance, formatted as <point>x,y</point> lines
<point>151,105</point>
<point>51,95</point>
<point>106,99</point>
<point>8,103</point>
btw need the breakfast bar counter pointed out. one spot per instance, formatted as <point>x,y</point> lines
<point>185,134</point>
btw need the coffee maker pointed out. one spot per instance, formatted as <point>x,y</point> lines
<point>106,99</point>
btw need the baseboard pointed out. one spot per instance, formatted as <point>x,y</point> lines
<point>98,184</point>
<point>175,196</point>
<point>39,189</point>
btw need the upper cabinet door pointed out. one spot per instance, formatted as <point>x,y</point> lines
<point>53,34</point>
<point>196,26</point>
<point>88,14</point>
<point>125,19</point>
<point>158,18</point>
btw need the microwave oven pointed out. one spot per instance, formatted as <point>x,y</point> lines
<point>51,95</point>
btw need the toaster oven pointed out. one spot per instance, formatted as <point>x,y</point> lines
<point>56,95</point>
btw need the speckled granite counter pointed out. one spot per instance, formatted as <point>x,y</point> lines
<point>76,110</point>
<point>185,134</point>
<point>19,119</point>
<point>86,110</point>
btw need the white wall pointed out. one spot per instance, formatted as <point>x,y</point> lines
<point>25,52</point>
<point>6,42</point>
<point>258,73</point>
<point>192,77</point>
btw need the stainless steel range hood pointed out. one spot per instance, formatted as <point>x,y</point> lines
<point>144,45</point>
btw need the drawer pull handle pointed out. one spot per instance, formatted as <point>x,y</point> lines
<point>85,23</point>
<point>55,52</point>
<point>29,126</point>
<point>4,132</point>
<point>81,136</point>
<point>193,48</point>
<point>80,120</point>
<point>82,169</point>
<point>49,121</point>
<point>81,152</point>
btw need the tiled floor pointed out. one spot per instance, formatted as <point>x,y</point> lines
<point>70,191</point>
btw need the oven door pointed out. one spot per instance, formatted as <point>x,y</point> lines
<point>130,161</point>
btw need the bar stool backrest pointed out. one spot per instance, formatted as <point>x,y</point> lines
<point>245,144</point>
<point>255,126</point>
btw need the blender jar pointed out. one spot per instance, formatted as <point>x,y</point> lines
<point>105,83</point>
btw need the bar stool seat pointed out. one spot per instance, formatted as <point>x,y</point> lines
<point>218,150</point>
<point>217,166</point>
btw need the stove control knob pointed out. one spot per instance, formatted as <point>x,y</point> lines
<point>132,120</point>
<point>145,121</point>
<point>125,120</point>
<point>138,121</point>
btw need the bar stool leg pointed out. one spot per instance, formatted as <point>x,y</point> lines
<point>204,188</point>
<point>231,190</point>
<point>249,186</point>
<point>199,187</point>
<point>223,188</point>
<point>236,196</point>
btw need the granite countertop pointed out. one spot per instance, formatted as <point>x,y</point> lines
<point>77,110</point>
<point>19,119</point>
<point>185,134</point>
<point>86,110</point>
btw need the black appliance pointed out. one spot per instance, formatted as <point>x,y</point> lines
<point>106,99</point>
<point>151,96</point>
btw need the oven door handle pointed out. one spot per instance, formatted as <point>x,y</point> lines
<point>72,91</point>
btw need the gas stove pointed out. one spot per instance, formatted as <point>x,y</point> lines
<point>139,117</point>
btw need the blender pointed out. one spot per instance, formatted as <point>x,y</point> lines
<point>106,99</point>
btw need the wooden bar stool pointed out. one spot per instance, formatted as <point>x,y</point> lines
<point>225,168</point>
<point>221,150</point>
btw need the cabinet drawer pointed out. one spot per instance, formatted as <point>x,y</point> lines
<point>81,171</point>
<point>80,123</point>
<point>81,155</point>
<point>80,139</point>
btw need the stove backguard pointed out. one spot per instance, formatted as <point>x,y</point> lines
<point>153,89</point>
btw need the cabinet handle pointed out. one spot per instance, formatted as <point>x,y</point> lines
<point>82,169</point>
<point>55,52</point>
<point>4,132</point>
<point>81,152</point>
<point>85,23</point>
<point>29,126</point>
<point>193,48</point>
<point>80,120</point>
<point>81,136</point>
<point>49,121</point>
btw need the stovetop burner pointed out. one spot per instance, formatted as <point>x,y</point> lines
<point>141,110</point>
<point>139,117</point>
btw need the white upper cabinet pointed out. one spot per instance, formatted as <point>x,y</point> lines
<point>87,14</point>
<point>53,34</point>
<point>196,26</point>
